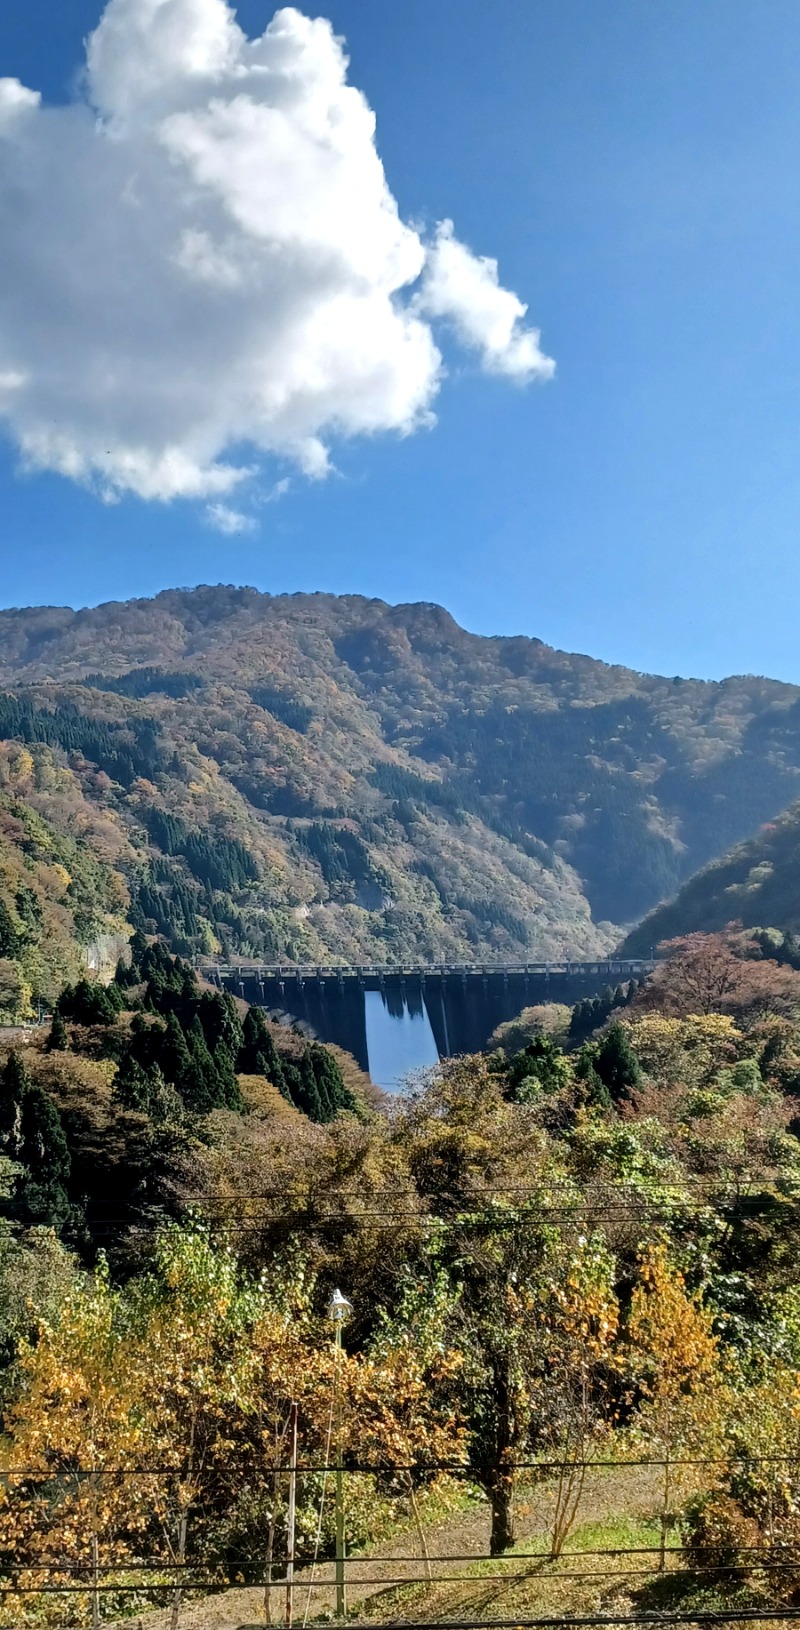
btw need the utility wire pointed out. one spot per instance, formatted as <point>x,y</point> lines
<point>376,1469</point>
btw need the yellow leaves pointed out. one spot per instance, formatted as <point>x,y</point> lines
<point>668,1327</point>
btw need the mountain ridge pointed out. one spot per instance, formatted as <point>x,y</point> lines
<point>322,778</point>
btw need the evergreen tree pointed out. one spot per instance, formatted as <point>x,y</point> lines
<point>138,948</point>
<point>292,1089</point>
<point>132,1085</point>
<point>541,1061</point>
<point>10,939</point>
<point>42,1191</point>
<point>14,1084</point>
<point>330,1081</point>
<point>595,1091</point>
<point>174,1056</point>
<point>202,1089</point>
<point>165,1104</point>
<point>616,1063</point>
<point>230,1096</point>
<point>58,1040</point>
<point>89,1003</point>
<point>308,1097</point>
<point>255,1039</point>
<point>220,1022</point>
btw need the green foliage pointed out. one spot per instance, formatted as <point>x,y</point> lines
<point>540,1067</point>
<point>122,752</point>
<point>31,1135</point>
<point>615,1062</point>
<point>282,705</point>
<point>140,682</point>
<point>58,1039</point>
<point>90,1003</point>
<point>214,859</point>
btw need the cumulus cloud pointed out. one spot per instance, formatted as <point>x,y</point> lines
<point>203,263</point>
<point>230,522</point>
<point>466,289</point>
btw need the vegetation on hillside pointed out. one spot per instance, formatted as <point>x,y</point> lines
<point>63,898</point>
<point>757,883</point>
<point>313,778</point>
<point>577,1252</point>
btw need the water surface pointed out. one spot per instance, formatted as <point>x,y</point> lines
<point>399,1037</point>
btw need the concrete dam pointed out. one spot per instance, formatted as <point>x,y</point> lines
<point>394,1019</point>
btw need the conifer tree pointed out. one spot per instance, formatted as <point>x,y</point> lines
<point>58,1040</point>
<point>330,1080</point>
<point>255,1039</point>
<point>202,1089</point>
<point>14,1084</point>
<point>174,1055</point>
<point>230,1095</point>
<point>292,1089</point>
<point>220,1021</point>
<point>132,1085</point>
<point>616,1063</point>
<point>308,1098</point>
<point>10,939</point>
<point>42,1191</point>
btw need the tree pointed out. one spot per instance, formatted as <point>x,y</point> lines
<point>616,1063</point>
<point>58,1039</point>
<point>201,1088</point>
<point>41,1193</point>
<point>673,1356</point>
<point>90,1003</point>
<point>541,1066</point>
<point>256,1041</point>
<point>14,1084</point>
<point>308,1097</point>
<point>132,1085</point>
<point>334,1094</point>
<point>174,1056</point>
<point>76,1410</point>
<point>711,973</point>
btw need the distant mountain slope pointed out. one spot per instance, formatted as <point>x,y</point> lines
<point>756,883</point>
<point>308,776</point>
<point>63,900</point>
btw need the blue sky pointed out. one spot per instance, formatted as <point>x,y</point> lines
<point>635,170</point>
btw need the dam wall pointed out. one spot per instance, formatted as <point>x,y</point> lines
<point>463,1003</point>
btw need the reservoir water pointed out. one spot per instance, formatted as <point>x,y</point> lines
<point>400,1037</point>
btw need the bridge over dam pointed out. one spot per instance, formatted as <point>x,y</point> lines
<point>456,1005</point>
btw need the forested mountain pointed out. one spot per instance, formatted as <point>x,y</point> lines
<point>313,777</point>
<point>757,883</point>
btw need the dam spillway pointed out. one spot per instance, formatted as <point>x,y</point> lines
<point>462,1002</point>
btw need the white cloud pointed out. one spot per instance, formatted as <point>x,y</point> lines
<point>466,289</point>
<point>231,522</point>
<point>202,258</point>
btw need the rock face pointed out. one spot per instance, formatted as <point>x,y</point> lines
<point>316,778</point>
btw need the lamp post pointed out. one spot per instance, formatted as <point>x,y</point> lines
<point>338,1310</point>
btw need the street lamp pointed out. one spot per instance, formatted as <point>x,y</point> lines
<point>339,1309</point>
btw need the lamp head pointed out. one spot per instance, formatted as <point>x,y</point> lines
<point>339,1308</point>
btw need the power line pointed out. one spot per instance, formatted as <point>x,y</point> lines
<point>123,1564</point>
<point>378,1468</point>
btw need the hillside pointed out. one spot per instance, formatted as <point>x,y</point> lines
<point>312,777</point>
<point>756,883</point>
<point>63,899</point>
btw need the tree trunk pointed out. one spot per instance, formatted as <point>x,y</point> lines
<point>501,1497</point>
<point>500,1483</point>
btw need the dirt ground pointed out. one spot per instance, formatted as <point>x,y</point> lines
<point>451,1543</point>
